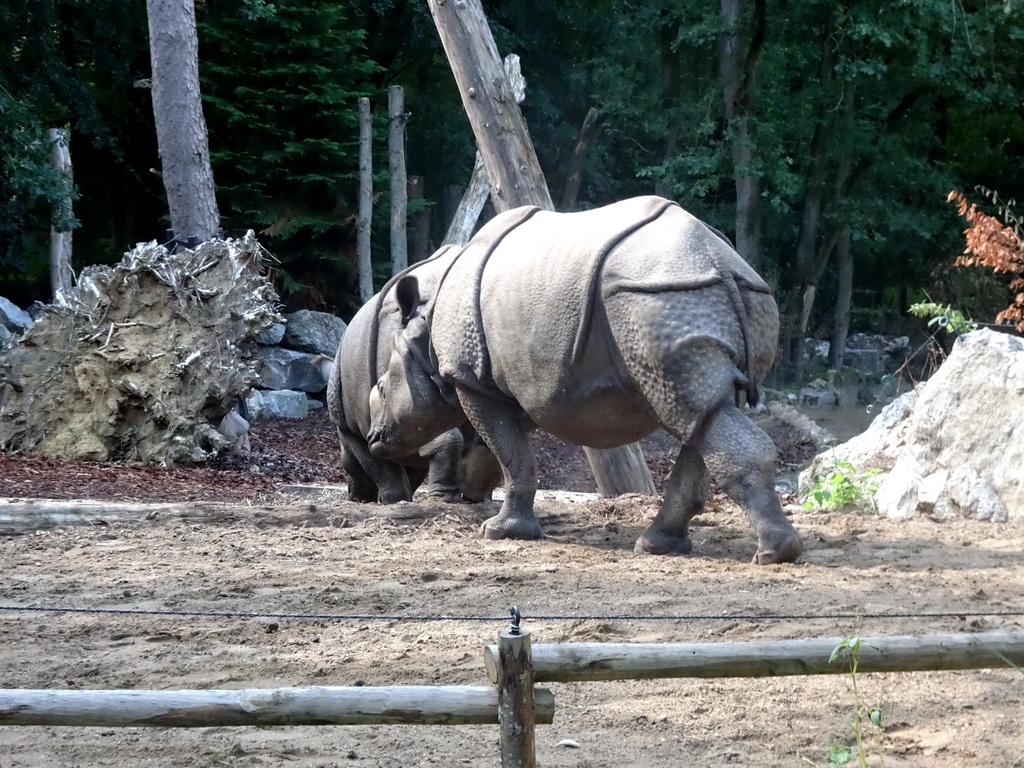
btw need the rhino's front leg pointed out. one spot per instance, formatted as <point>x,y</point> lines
<point>685,494</point>
<point>388,482</point>
<point>443,454</point>
<point>741,458</point>
<point>505,430</point>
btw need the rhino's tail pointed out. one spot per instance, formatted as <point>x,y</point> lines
<point>334,407</point>
<point>749,381</point>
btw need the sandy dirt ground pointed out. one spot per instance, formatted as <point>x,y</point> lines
<point>323,555</point>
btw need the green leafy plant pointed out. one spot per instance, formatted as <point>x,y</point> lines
<point>843,487</point>
<point>944,316</point>
<point>863,717</point>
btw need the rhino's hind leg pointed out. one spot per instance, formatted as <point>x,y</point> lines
<point>503,428</point>
<point>741,457</point>
<point>479,472</point>
<point>685,494</point>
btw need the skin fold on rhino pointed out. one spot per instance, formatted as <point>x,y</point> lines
<point>453,465</point>
<point>597,327</point>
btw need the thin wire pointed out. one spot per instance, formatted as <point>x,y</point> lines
<point>539,617</point>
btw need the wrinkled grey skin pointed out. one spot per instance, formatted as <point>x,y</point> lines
<point>452,466</point>
<point>598,327</point>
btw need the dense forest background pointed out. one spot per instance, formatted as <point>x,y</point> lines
<point>823,137</point>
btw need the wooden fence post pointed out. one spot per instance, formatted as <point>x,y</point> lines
<point>515,697</point>
<point>399,192</point>
<point>62,278</point>
<point>365,200</point>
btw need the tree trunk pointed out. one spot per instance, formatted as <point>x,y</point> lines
<point>814,192</point>
<point>738,72</point>
<point>574,175</point>
<point>668,32</point>
<point>515,174</point>
<point>844,297</point>
<point>180,125</point>
<point>840,235</point>
<point>365,201</point>
<point>399,201</point>
<point>61,277</point>
<point>420,222</point>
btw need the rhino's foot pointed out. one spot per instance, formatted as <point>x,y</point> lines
<point>393,496</point>
<point>503,526</point>
<point>782,546</point>
<point>658,542</point>
<point>445,495</point>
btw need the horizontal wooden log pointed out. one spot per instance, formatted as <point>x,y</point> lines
<point>19,516</point>
<point>582,662</point>
<point>410,705</point>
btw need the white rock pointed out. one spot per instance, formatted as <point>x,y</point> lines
<point>951,447</point>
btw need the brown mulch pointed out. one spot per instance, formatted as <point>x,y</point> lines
<point>282,451</point>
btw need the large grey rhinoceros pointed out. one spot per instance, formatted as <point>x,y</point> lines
<point>454,466</point>
<point>597,327</point>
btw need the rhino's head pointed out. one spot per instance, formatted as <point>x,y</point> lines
<point>408,408</point>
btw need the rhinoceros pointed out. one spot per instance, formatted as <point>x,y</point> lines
<point>453,466</point>
<point>597,327</point>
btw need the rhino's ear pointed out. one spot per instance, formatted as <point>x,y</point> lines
<point>407,293</point>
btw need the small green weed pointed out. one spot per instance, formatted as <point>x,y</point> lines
<point>843,487</point>
<point>862,717</point>
<point>839,755</point>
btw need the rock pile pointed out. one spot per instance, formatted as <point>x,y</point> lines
<point>952,446</point>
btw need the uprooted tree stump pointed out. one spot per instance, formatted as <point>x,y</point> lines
<point>145,360</point>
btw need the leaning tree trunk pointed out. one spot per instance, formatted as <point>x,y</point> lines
<point>462,223</point>
<point>515,174</point>
<point>180,125</point>
<point>490,104</point>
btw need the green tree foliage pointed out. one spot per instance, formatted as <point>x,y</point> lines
<point>920,97</point>
<point>281,83</point>
<point>66,63</point>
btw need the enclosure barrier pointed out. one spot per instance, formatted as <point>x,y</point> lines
<point>514,665</point>
<point>583,662</point>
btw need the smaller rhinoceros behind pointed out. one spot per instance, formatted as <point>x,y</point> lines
<point>598,327</point>
<point>453,466</point>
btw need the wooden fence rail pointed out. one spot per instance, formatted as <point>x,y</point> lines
<point>320,705</point>
<point>582,662</point>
